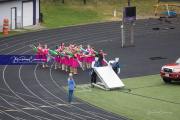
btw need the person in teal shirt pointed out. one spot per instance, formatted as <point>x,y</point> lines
<point>71,87</point>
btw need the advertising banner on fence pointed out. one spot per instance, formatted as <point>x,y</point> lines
<point>20,60</point>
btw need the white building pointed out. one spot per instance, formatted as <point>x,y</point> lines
<point>20,13</point>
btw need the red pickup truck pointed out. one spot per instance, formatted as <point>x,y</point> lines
<point>171,72</point>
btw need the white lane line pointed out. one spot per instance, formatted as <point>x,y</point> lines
<point>84,41</point>
<point>42,117</point>
<point>14,94</point>
<point>85,116</point>
<point>7,109</point>
<point>11,110</point>
<point>37,104</point>
<point>72,104</point>
<point>17,49</point>
<point>23,106</point>
<point>33,94</point>
<point>52,94</point>
<point>45,106</point>
<point>30,97</point>
<point>72,36</point>
<point>4,89</point>
<point>19,110</point>
<point>11,116</point>
<point>9,96</point>
<point>65,117</point>
<point>35,97</point>
<point>56,104</point>
<point>40,105</point>
<point>29,108</point>
<point>62,104</point>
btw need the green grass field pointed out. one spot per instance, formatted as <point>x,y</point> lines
<point>58,15</point>
<point>73,12</point>
<point>143,98</point>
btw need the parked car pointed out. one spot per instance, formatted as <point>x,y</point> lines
<point>171,72</point>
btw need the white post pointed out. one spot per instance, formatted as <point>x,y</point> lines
<point>122,36</point>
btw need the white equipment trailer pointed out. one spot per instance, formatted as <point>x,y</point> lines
<point>109,79</point>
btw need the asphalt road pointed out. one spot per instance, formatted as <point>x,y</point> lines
<point>30,92</point>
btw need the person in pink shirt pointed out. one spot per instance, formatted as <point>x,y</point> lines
<point>57,59</point>
<point>90,56</point>
<point>45,56</point>
<point>39,51</point>
<point>74,64</point>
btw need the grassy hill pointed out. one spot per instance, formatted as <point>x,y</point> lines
<point>74,12</point>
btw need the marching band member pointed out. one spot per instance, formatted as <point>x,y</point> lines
<point>69,58</point>
<point>39,51</point>
<point>62,56</point>
<point>57,58</point>
<point>101,58</point>
<point>90,56</point>
<point>63,60</point>
<point>75,63</point>
<point>71,53</point>
<point>45,56</point>
<point>81,58</point>
<point>66,58</point>
<point>66,63</point>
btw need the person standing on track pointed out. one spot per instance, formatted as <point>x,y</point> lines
<point>71,87</point>
<point>116,66</point>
